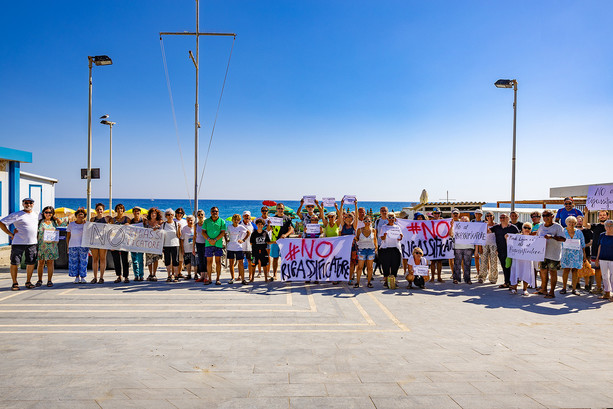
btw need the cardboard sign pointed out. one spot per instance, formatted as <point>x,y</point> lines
<point>572,244</point>
<point>394,232</point>
<point>420,270</point>
<point>313,228</point>
<point>322,259</point>
<point>349,199</point>
<point>600,197</point>
<point>276,221</point>
<point>524,247</point>
<point>51,235</point>
<point>308,200</point>
<point>469,233</point>
<point>328,201</point>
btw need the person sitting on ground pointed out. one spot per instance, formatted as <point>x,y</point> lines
<point>419,278</point>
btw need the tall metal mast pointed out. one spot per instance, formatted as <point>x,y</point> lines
<point>196,62</point>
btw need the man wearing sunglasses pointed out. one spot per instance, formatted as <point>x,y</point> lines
<point>24,239</point>
<point>568,210</point>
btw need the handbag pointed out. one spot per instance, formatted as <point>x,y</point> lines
<point>391,282</point>
<point>586,270</point>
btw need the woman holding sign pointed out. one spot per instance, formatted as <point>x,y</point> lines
<point>366,240</point>
<point>417,269</point>
<point>48,236</point>
<point>348,228</point>
<point>573,253</point>
<point>77,255</point>
<point>389,251</point>
<point>521,270</point>
<point>120,257</point>
<point>98,255</point>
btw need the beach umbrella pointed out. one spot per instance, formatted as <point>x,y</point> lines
<point>64,210</point>
<point>269,203</point>
<point>142,210</point>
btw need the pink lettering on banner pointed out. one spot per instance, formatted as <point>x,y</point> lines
<point>430,228</point>
<point>330,248</point>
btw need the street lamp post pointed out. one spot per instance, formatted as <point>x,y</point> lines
<point>110,124</point>
<point>511,84</point>
<point>97,60</point>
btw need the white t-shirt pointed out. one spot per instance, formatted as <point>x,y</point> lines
<point>553,248</point>
<point>76,234</point>
<point>247,243</point>
<point>26,225</point>
<point>182,223</point>
<point>199,236</point>
<point>389,241</point>
<point>360,224</point>
<point>170,234</point>
<point>187,235</point>
<point>235,234</point>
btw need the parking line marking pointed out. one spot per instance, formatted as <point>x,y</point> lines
<point>200,331</point>
<point>388,313</point>
<point>10,296</point>
<point>313,307</point>
<point>360,308</point>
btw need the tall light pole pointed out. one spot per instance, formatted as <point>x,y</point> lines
<point>97,60</point>
<point>110,124</point>
<point>511,84</point>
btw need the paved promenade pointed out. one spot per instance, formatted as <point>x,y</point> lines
<point>181,345</point>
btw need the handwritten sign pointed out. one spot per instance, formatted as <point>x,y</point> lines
<point>432,236</point>
<point>470,233</point>
<point>420,270</point>
<point>276,221</point>
<point>309,200</point>
<point>394,232</point>
<point>600,197</point>
<point>51,235</point>
<point>349,199</point>
<point>122,237</point>
<point>524,247</point>
<point>329,201</point>
<point>323,259</point>
<point>313,228</point>
<point>572,244</point>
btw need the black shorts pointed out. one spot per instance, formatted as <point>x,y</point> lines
<point>231,255</point>
<point>260,257</point>
<point>171,256</point>
<point>17,251</point>
<point>189,259</point>
<point>248,256</point>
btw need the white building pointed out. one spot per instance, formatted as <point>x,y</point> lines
<point>16,185</point>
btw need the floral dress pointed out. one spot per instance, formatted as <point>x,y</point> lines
<point>573,258</point>
<point>48,250</point>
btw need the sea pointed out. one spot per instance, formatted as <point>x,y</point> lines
<point>226,207</point>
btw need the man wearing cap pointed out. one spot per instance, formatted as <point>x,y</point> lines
<point>554,233</point>
<point>568,210</point>
<point>24,239</point>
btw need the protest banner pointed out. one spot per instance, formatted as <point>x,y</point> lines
<point>469,233</point>
<point>322,259</point>
<point>349,199</point>
<point>122,237</point>
<point>308,200</point>
<point>599,197</point>
<point>328,201</point>
<point>432,236</point>
<point>276,221</point>
<point>524,247</point>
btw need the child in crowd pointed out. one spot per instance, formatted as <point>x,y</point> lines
<point>259,240</point>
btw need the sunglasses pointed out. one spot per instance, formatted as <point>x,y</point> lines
<point>417,252</point>
<point>264,210</point>
<point>567,204</point>
<point>28,202</point>
<point>526,228</point>
<point>48,212</point>
<point>168,214</point>
<point>536,217</point>
<point>214,211</point>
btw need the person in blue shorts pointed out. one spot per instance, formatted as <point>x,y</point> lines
<point>213,230</point>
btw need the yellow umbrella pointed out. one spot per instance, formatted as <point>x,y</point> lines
<point>64,210</point>
<point>142,210</point>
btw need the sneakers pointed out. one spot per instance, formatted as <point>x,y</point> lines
<point>82,280</point>
<point>77,281</point>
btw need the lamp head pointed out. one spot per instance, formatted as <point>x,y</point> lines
<point>102,60</point>
<point>105,122</point>
<point>504,83</point>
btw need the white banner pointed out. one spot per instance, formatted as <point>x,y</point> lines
<point>469,233</point>
<point>432,236</point>
<point>524,247</point>
<point>323,259</point>
<point>600,197</point>
<point>122,237</point>
<point>349,199</point>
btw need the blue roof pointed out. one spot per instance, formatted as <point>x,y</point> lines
<point>15,155</point>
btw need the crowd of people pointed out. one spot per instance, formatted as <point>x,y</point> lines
<point>195,246</point>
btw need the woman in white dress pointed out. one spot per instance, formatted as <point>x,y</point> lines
<point>521,270</point>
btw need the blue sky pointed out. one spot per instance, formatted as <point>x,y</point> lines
<point>377,99</point>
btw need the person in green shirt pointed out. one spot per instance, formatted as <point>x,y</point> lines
<point>213,230</point>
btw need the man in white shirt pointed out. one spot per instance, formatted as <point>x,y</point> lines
<point>24,239</point>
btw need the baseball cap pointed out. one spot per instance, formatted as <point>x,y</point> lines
<point>436,210</point>
<point>247,212</point>
<point>28,199</point>
<point>455,211</point>
<point>478,211</point>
